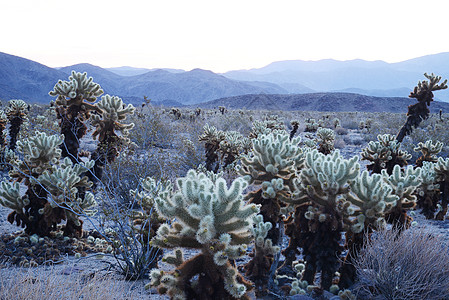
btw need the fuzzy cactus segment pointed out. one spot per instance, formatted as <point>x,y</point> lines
<point>404,184</point>
<point>429,150</point>
<point>372,196</point>
<point>442,177</point>
<point>324,176</point>
<point>212,218</point>
<point>78,87</point>
<point>113,113</point>
<point>273,156</point>
<point>63,182</point>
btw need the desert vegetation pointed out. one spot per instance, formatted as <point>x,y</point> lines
<point>225,204</point>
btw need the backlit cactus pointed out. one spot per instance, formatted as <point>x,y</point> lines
<point>52,193</point>
<point>368,200</point>
<point>108,122</point>
<point>385,154</point>
<point>212,138</point>
<point>404,184</point>
<point>429,150</point>
<point>423,92</point>
<point>214,219</point>
<point>319,216</point>
<point>74,103</point>
<point>428,192</point>
<point>442,177</point>
<point>271,165</point>
<point>326,140</point>
<point>16,112</point>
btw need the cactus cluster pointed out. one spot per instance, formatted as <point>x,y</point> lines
<point>213,219</point>
<point>222,148</point>
<point>53,186</point>
<point>385,154</point>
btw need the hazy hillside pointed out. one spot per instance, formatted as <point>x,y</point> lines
<point>131,71</point>
<point>376,78</point>
<point>338,102</point>
<point>31,81</point>
<point>25,79</point>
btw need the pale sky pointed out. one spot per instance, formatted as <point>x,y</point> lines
<point>220,35</point>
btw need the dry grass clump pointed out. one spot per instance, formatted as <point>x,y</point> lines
<point>50,284</point>
<point>410,265</point>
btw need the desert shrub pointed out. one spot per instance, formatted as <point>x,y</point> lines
<point>430,129</point>
<point>131,242</point>
<point>23,284</point>
<point>413,264</point>
<point>152,129</point>
<point>354,140</point>
<point>341,131</point>
<point>339,144</point>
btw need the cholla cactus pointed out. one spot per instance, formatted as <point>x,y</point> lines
<point>263,253</point>
<point>428,192</point>
<point>369,198</point>
<point>442,177</point>
<point>423,92</point>
<point>272,165</point>
<point>74,104</point>
<point>3,122</point>
<point>336,122</point>
<point>318,216</point>
<point>429,151</point>
<point>212,138</point>
<point>231,146</point>
<point>213,219</point>
<point>16,113</point>
<point>326,140</point>
<point>295,126</point>
<point>385,154</point>
<point>63,183</point>
<point>311,125</point>
<point>176,112</point>
<point>53,187</point>
<point>222,109</point>
<point>266,126</point>
<point>404,184</point>
<point>107,123</point>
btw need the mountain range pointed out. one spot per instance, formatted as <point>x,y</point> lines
<point>21,78</point>
<point>326,102</point>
